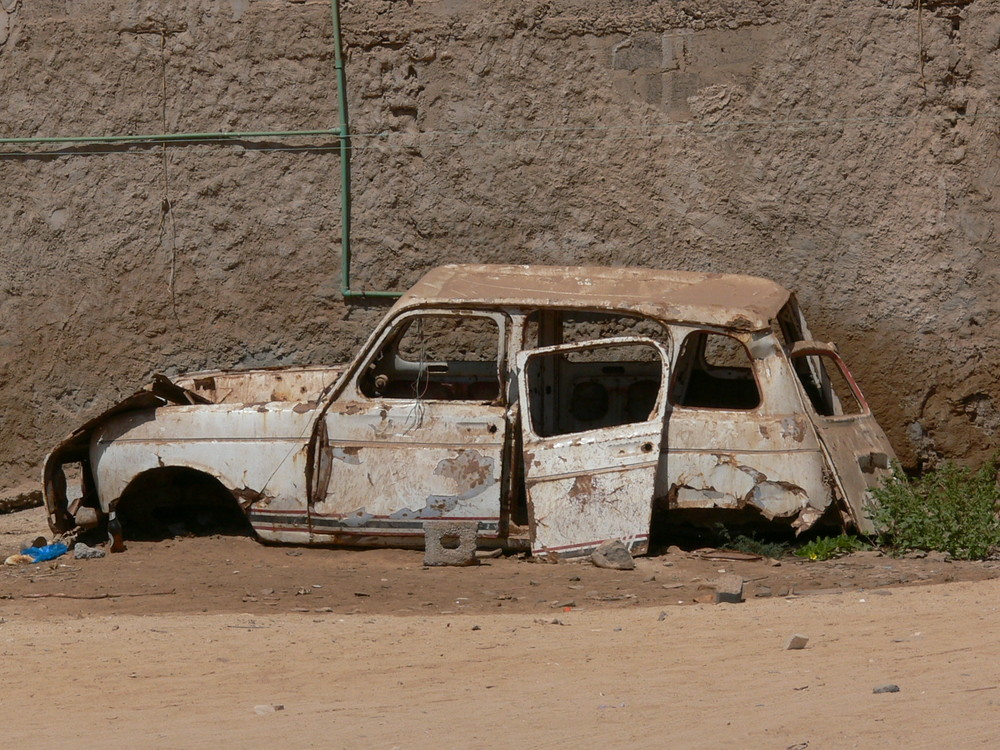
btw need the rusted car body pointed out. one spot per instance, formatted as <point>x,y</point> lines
<point>554,407</point>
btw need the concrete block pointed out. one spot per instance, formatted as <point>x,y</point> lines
<point>729,589</point>
<point>450,542</point>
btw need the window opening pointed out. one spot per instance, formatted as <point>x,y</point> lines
<point>611,385</point>
<point>826,385</point>
<point>714,371</point>
<point>437,357</point>
<point>554,327</point>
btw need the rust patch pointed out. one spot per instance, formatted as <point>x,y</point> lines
<point>468,469</point>
<point>247,497</point>
<point>307,406</point>
<point>582,490</point>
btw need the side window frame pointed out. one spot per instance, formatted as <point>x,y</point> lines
<point>679,371</point>
<point>398,326</point>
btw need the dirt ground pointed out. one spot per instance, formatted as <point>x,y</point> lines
<point>196,641</point>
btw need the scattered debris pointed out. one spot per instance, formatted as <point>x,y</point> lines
<point>614,555</point>
<point>46,552</point>
<point>268,708</point>
<point>19,499</point>
<point>796,642</point>
<point>19,560</point>
<point>888,688</point>
<point>96,596</point>
<point>83,552</point>
<point>35,541</point>
<point>662,616</point>
<point>708,553</point>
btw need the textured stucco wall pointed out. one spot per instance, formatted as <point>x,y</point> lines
<point>809,142</point>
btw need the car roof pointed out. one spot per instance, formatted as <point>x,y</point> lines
<point>734,301</point>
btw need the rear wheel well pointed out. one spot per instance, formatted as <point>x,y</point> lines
<point>176,501</point>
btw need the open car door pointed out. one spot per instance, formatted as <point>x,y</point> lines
<point>592,421</point>
<point>856,448</point>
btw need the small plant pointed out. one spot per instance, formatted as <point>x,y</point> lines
<point>952,509</point>
<point>828,547</point>
<point>749,544</point>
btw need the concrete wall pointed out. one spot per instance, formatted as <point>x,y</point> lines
<point>809,142</point>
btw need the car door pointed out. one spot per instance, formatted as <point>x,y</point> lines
<point>592,420</point>
<point>417,434</point>
<point>858,451</point>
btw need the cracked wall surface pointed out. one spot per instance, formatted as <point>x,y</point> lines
<point>847,150</point>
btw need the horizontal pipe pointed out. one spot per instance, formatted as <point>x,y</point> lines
<point>355,294</point>
<point>168,137</point>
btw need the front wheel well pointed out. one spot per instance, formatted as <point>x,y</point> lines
<point>177,501</point>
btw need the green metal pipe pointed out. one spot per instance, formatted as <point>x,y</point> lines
<point>345,169</point>
<point>170,137</point>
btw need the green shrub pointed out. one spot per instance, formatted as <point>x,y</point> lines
<point>749,544</point>
<point>827,547</point>
<point>952,509</point>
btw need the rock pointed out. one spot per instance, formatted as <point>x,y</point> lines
<point>729,589</point>
<point>83,552</point>
<point>796,642</point>
<point>34,541</point>
<point>661,617</point>
<point>613,555</point>
<point>673,549</point>
<point>888,688</point>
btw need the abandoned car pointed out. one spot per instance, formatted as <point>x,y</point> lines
<point>553,408</point>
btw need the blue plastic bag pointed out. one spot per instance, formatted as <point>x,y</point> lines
<point>48,552</point>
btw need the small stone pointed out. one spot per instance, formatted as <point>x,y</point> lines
<point>796,642</point>
<point>35,541</point>
<point>729,589</point>
<point>82,551</point>
<point>673,549</point>
<point>889,688</point>
<point>268,708</point>
<point>613,555</point>
<point>662,616</point>
<point>476,627</point>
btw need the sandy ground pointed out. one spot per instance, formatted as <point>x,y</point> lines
<point>192,653</point>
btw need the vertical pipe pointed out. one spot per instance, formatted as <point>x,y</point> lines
<point>345,168</point>
<point>345,154</point>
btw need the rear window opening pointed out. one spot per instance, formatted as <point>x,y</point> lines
<point>825,381</point>
<point>714,371</point>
